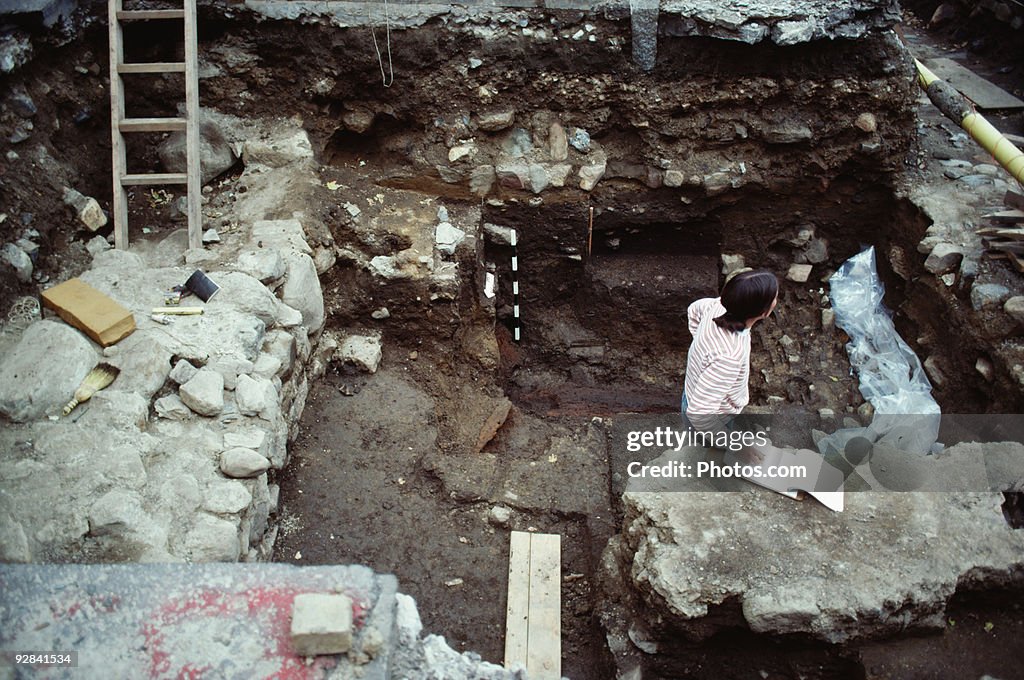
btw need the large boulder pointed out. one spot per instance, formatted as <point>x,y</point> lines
<point>32,384</point>
<point>204,393</point>
<point>302,290</point>
<point>244,293</point>
<point>215,154</point>
<point>890,562</point>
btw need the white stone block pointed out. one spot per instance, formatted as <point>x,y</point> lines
<point>321,624</point>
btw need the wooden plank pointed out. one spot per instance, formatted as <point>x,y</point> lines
<point>152,124</point>
<point>1002,232</point>
<point>1014,199</point>
<point>1006,216</point>
<point>517,611</point>
<point>194,170</point>
<point>1007,246</point>
<point>119,163</point>
<point>544,645</point>
<point>147,14</point>
<point>153,67</point>
<point>984,94</point>
<point>153,178</point>
<point>1017,261</point>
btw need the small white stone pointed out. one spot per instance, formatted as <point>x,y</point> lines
<point>448,237</point>
<point>183,371</point>
<point>373,641</point>
<point>799,272</point>
<point>362,350</point>
<point>985,368</point>
<point>321,624</point>
<point>1015,308</point>
<point>172,408</point>
<point>242,463</point>
<point>500,515</point>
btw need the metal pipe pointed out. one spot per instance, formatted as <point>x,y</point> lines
<point>957,108</point>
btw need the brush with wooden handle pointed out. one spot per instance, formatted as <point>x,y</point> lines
<point>98,378</point>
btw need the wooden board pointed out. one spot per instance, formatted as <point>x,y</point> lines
<point>517,611</point>
<point>192,161</point>
<point>533,632</point>
<point>544,644</point>
<point>984,94</point>
<point>119,164</point>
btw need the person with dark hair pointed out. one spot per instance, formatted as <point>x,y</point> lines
<point>718,363</point>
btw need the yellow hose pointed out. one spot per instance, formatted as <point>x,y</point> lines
<point>964,115</point>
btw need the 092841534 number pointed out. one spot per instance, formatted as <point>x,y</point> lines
<point>67,659</point>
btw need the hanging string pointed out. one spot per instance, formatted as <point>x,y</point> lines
<point>380,61</point>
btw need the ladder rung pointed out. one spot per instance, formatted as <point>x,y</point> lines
<point>144,14</point>
<point>154,178</point>
<point>152,124</point>
<point>153,67</point>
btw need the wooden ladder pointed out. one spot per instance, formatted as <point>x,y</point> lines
<point>120,123</point>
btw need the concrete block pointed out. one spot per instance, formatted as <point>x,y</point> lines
<point>321,624</point>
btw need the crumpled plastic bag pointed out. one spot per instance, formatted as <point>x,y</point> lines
<point>891,376</point>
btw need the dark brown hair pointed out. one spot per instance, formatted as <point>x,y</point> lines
<point>746,296</point>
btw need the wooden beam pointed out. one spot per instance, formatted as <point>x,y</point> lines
<point>147,14</point>
<point>193,167</point>
<point>153,67</point>
<point>148,179</point>
<point>152,124</point>
<point>119,163</point>
<point>1006,216</point>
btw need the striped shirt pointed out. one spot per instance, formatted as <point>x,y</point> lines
<point>717,365</point>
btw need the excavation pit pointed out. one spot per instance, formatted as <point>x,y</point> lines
<point>754,141</point>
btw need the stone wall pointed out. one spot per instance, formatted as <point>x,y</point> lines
<point>171,462</point>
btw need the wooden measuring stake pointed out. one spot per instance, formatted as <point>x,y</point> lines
<point>590,232</point>
<point>517,326</point>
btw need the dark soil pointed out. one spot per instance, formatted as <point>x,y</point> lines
<point>385,477</point>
